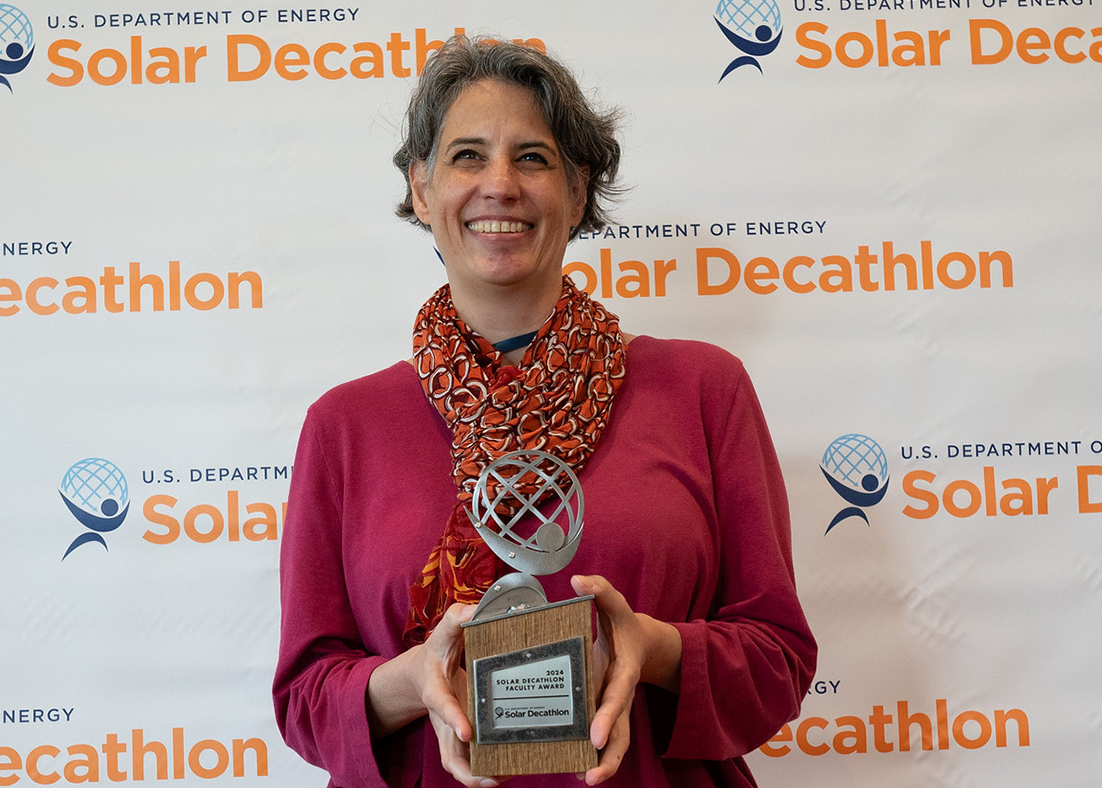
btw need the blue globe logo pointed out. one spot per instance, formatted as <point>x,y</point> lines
<point>96,493</point>
<point>856,460</point>
<point>857,469</point>
<point>752,26</point>
<point>16,42</point>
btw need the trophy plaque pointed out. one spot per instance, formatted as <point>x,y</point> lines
<point>530,691</point>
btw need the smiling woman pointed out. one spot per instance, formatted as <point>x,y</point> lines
<point>585,137</point>
<point>703,649</point>
<point>500,207</point>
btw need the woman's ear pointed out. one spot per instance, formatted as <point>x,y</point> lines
<point>419,188</point>
<point>578,191</point>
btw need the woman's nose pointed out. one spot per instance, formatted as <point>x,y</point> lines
<point>501,180</point>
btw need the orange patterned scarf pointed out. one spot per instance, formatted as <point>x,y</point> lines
<point>558,401</point>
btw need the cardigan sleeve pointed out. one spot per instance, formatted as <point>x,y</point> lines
<point>747,664</point>
<point>323,667</point>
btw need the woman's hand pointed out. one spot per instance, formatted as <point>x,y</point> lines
<point>444,694</point>
<point>443,686</point>
<point>429,679</point>
<point>631,647</point>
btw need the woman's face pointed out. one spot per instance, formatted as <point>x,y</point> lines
<point>498,200</point>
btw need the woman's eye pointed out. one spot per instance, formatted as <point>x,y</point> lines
<point>465,155</point>
<point>537,158</point>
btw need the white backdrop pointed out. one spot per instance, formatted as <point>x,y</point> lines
<point>197,240</point>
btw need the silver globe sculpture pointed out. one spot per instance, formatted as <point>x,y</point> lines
<point>527,507</point>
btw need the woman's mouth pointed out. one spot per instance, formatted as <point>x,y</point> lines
<point>495,226</point>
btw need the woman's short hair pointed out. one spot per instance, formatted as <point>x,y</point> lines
<point>586,137</point>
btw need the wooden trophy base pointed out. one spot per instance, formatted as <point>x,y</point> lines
<point>512,639</point>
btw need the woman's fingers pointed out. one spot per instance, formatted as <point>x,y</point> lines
<point>620,648</point>
<point>613,753</point>
<point>443,682</point>
<point>455,756</point>
<point>444,690</point>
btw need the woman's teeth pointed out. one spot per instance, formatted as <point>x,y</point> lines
<point>497,227</point>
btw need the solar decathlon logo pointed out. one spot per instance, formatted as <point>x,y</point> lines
<point>857,469</point>
<point>97,494</point>
<point>752,26</point>
<point>16,42</point>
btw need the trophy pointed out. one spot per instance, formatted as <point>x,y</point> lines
<point>529,684</point>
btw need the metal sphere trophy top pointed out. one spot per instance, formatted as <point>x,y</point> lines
<point>529,683</point>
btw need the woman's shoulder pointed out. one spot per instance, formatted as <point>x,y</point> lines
<point>380,391</point>
<point>681,358</point>
<point>686,374</point>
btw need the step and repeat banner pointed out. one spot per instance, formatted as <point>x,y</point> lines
<point>890,209</point>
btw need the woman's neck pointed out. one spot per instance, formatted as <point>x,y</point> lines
<point>502,314</point>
